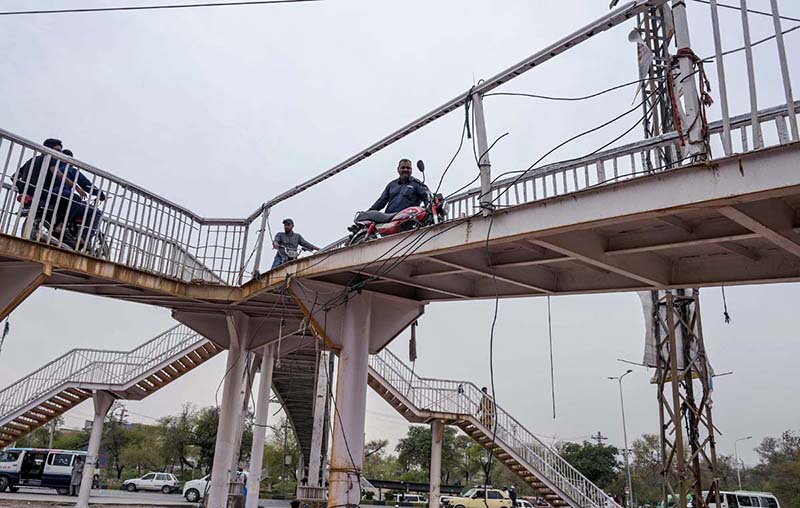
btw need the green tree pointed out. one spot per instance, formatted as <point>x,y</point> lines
<point>414,453</point>
<point>779,468</point>
<point>206,423</point>
<point>177,436</point>
<point>597,462</point>
<point>378,463</point>
<point>115,437</point>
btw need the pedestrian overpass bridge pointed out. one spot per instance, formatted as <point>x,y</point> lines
<point>665,212</point>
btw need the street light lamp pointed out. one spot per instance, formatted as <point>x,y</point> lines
<point>625,437</point>
<point>736,458</point>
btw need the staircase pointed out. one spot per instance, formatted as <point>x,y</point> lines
<point>422,400</point>
<point>67,381</point>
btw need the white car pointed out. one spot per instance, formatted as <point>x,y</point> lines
<point>165,482</point>
<point>195,490</point>
<point>524,503</point>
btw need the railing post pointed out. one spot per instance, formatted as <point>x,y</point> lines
<point>37,192</point>
<point>260,240</point>
<point>243,254</point>
<point>484,165</point>
<point>695,135</point>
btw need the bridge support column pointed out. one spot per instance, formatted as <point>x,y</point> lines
<point>350,405</point>
<point>363,323</point>
<point>320,411</point>
<point>230,412</point>
<point>437,433</point>
<point>102,403</point>
<point>260,427</point>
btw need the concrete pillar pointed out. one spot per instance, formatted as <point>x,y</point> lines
<point>260,427</point>
<point>102,403</point>
<point>230,412</point>
<point>347,454</point>
<point>318,434</point>
<point>244,396</point>
<point>437,432</point>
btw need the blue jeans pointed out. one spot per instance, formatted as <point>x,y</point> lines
<point>279,260</point>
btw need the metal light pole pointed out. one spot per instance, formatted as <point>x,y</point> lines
<point>625,437</point>
<point>736,458</point>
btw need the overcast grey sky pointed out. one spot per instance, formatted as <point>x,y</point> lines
<point>221,109</point>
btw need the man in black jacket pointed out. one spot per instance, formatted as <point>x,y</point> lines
<point>401,193</point>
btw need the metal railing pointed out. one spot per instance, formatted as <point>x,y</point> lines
<point>119,221</point>
<point>625,162</point>
<point>96,367</point>
<point>465,400</point>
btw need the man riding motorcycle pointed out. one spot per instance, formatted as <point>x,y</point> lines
<point>402,193</point>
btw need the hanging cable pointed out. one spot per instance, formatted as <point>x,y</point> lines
<point>725,307</point>
<point>154,7</point>
<point>552,369</point>
<point>753,11</point>
<point>579,98</point>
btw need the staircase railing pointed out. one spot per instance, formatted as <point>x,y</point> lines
<point>464,398</point>
<point>94,366</point>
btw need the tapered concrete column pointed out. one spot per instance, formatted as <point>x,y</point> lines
<point>260,427</point>
<point>102,403</point>
<point>437,432</point>
<point>230,412</point>
<point>320,407</point>
<point>244,396</point>
<point>347,454</point>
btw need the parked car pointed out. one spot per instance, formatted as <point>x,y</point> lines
<point>524,503</point>
<point>474,498</point>
<point>409,499</point>
<point>195,490</point>
<point>165,482</point>
<point>38,467</point>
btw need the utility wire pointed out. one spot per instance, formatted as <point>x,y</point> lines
<point>753,11</point>
<point>579,98</point>
<point>155,7</point>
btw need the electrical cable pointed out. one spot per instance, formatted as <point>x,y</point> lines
<point>725,307</point>
<point>573,138</point>
<point>753,11</point>
<point>579,98</point>
<point>711,59</point>
<point>490,451</point>
<point>155,7</point>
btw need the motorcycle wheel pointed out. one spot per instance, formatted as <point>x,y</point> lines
<point>360,236</point>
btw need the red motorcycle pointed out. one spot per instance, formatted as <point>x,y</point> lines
<point>374,224</point>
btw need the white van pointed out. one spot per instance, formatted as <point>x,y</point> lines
<point>34,467</point>
<point>745,499</point>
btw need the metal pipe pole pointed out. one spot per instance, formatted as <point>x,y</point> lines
<point>625,440</point>
<point>260,240</point>
<point>736,458</point>
<point>484,165</point>
<point>696,144</point>
<point>260,427</point>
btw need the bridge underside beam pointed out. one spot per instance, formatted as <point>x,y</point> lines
<point>18,281</point>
